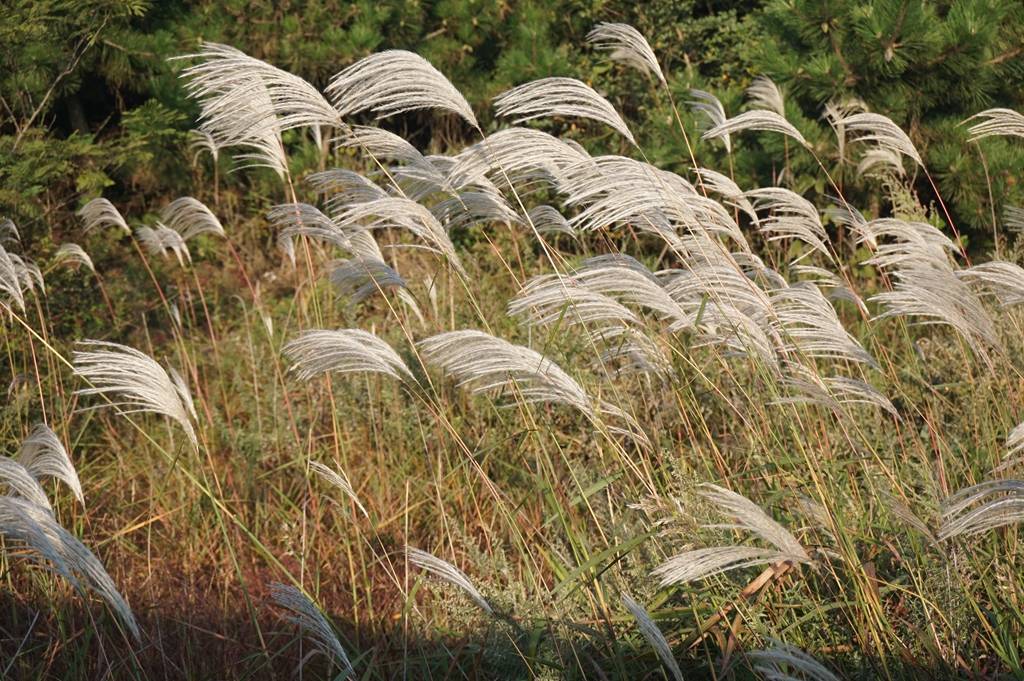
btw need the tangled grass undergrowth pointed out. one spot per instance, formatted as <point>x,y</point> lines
<point>639,423</point>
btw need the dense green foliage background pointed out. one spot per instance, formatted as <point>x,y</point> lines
<point>92,105</point>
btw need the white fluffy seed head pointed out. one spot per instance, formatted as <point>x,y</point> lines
<point>393,82</point>
<point>75,255</point>
<point>566,97</point>
<point>320,351</point>
<point>44,456</point>
<point>303,612</point>
<point>190,217</point>
<point>650,630</point>
<point>134,382</point>
<point>626,45</point>
<point>101,213</point>
<point>449,573</point>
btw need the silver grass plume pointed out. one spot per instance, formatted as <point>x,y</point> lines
<point>879,162</point>
<point>724,186</point>
<point>101,213</point>
<point>758,119</point>
<point>626,45</point>
<point>247,102</point>
<point>1003,122</point>
<point>20,481</point>
<point>190,217</point>
<point>809,325</point>
<point>301,219</point>
<point>549,220</point>
<point>449,573</point>
<point>340,187</point>
<point>481,363</point>
<point>10,280</point>
<point>1001,504</point>
<point>320,351</point>
<point>308,617</point>
<point>746,515</point>
<point>407,214</point>
<point>763,93</point>
<point>653,634</point>
<point>566,97</point>
<point>73,254</point>
<point>394,82</point>
<point>30,277</point>
<point>791,217</point>
<point>1013,219</point>
<point>523,155</point>
<point>382,144</point>
<point>709,105</point>
<point>783,662</point>
<point>35,528</point>
<point>1014,445</point>
<point>134,382</point>
<point>878,129</point>
<point>161,239</point>
<point>473,207</point>
<point>201,142</point>
<point>9,231</point>
<point>1001,279</point>
<point>558,299</point>
<point>44,456</point>
<point>339,481</point>
<point>904,514</point>
<point>835,113</point>
<point>359,278</point>
<point>807,386</point>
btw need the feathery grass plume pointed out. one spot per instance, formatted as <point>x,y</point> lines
<point>936,295</point>
<point>1001,279</point>
<point>134,382</point>
<point>1013,219</point>
<point>248,103</point>
<point>421,181</point>
<point>523,155</point>
<point>653,634</point>
<point>161,239</point>
<point>557,299</point>
<point>632,350</point>
<point>728,190</point>
<point>35,528</point>
<point>701,563</point>
<point>73,254</point>
<point>758,119</point>
<point>337,480</point>
<point>473,207</point>
<point>902,512</point>
<point>201,142</point>
<point>447,572</point>
<point>810,327</point>
<point>714,113</point>
<point>626,46</point>
<point>1002,503</point>
<point>9,231</point>
<point>190,217</point>
<point>1014,445</point>
<point>791,217</point>
<point>407,214</point>
<point>835,113</point>
<point>826,279</point>
<point>763,93</point>
<point>482,363</point>
<point>10,281</point>
<point>101,213</point>
<point>549,220</point>
<point>879,129</point>
<point>30,277</point>
<point>879,162</point>
<point>301,219</point>
<point>320,351</point>
<point>565,97</point>
<point>1002,122</point>
<point>807,386</point>
<point>359,278</point>
<point>896,242</point>
<point>382,144</point>
<point>308,617</point>
<point>20,481</point>
<point>341,187</point>
<point>393,82</point>
<point>43,455</point>
<point>629,282</point>
<point>783,662</point>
